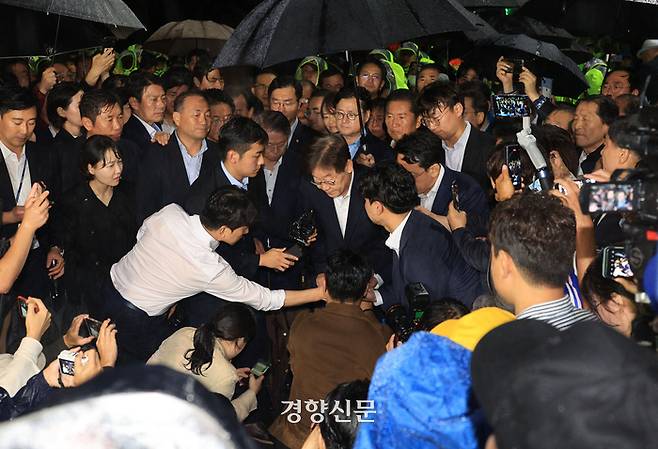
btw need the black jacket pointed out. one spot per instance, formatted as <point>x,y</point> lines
<point>34,393</point>
<point>380,150</point>
<point>134,131</point>
<point>164,178</point>
<point>478,148</point>
<point>301,139</point>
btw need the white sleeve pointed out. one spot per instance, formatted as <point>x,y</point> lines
<point>25,363</point>
<point>229,286</point>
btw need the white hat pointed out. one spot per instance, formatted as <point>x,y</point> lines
<point>646,45</point>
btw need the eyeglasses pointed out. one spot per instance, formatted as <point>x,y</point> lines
<point>318,184</point>
<point>223,119</point>
<point>276,146</point>
<point>372,76</point>
<point>282,104</point>
<point>214,80</point>
<point>433,122</point>
<point>340,115</point>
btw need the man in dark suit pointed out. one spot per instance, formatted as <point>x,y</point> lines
<point>340,216</point>
<point>420,154</point>
<point>285,96</point>
<point>364,150</point>
<point>148,102</point>
<point>466,148</point>
<point>24,163</point>
<point>169,171</point>
<point>424,251</point>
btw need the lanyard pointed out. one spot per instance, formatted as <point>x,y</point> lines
<point>20,184</point>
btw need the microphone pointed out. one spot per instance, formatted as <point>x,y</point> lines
<point>529,143</point>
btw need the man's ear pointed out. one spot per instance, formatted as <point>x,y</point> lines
<point>459,109</point>
<point>134,104</point>
<point>419,121</point>
<point>176,118</point>
<point>635,92</point>
<point>366,116</point>
<point>349,166</point>
<point>87,123</point>
<point>232,156</point>
<point>480,117</point>
<point>434,170</point>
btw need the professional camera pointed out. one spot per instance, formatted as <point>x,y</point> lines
<point>634,194</point>
<point>405,322</point>
<point>301,231</point>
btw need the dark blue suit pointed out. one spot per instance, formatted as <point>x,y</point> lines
<point>380,150</point>
<point>472,199</point>
<point>361,235</point>
<point>428,255</point>
<point>301,139</point>
<point>134,131</point>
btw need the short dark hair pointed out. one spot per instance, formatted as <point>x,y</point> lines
<point>60,96</point>
<point>273,121</point>
<point>347,275</point>
<point>607,109</point>
<point>138,82</point>
<point>634,81</point>
<point>436,94</point>
<point>597,289</point>
<point>404,95</point>
<point>177,76</point>
<point>439,311</point>
<point>202,68</point>
<point>281,82</point>
<point>93,152</point>
<point>421,147</point>
<point>232,321</point>
<point>115,82</point>
<point>358,93</point>
<point>228,206</point>
<point>329,101</point>
<point>341,434</point>
<point>14,98</point>
<point>551,137</point>
<point>320,93</point>
<point>180,100</point>
<point>371,59</point>
<point>330,151</point>
<point>630,132</point>
<point>539,234</point>
<point>217,96</point>
<point>252,101</point>
<point>391,185</point>
<point>464,67</point>
<point>95,101</point>
<point>478,92</point>
<point>496,160</point>
<point>632,103</point>
<point>238,134</point>
<point>328,72</point>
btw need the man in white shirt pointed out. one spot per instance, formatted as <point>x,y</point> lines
<point>175,258</point>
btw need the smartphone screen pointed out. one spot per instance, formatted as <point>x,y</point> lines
<point>260,368</point>
<point>609,197</point>
<point>513,162</point>
<point>454,188</point>
<point>511,106</point>
<point>22,303</point>
<point>615,263</point>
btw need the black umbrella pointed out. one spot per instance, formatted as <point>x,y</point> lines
<point>493,3</point>
<point>542,58</point>
<point>282,30</point>
<point>110,12</point>
<point>517,24</point>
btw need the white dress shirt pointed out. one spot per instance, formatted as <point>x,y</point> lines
<point>151,129</point>
<point>192,163</point>
<point>270,179</point>
<point>15,165</point>
<point>234,182</point>
<point>427,199</point>
<point>455,154</point>
<point>293,127</point>
<point>342,205</point>
<point>175,258</point>
<point>395,237</point>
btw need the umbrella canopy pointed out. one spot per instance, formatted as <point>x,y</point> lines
<point>518,24</point>
<point>542,58</point>
<point>178,38</point>
<point>110,12</point>
<point>493,3</point>
<point>282,30</point>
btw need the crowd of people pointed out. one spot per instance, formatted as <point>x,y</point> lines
<point>321,259</point>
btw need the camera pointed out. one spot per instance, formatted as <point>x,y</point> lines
<point>90,328</point>
<point>67,362</point>
<point>301,231</point>
<point>511,105</point>
<point>513,162</point>
<point>403,321</point>
<point>517,68</point>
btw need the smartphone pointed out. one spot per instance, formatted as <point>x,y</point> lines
<point>66,362</point>
<point>517,67</point>
<point>615,263</point>
<point>609,197</point>
<point>260,368</point>
<point>454,189</point>
<point>22,303</point>
<point>295,250</point>
<point>90,328</point>
<point>513,162</point>
<point>511,105</point>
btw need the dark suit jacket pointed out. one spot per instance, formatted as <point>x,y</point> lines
<point>478,148</point>
<point>361,235</point>
<point>242,256</point>
<point>134,131</point>
<point>301,139</point>
<point>380,150</point>
<point>428,255</point>
<point>164,180</point>
<point>472,199</point>
<point>590,161</point>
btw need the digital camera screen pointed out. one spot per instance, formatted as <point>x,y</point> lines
<point>511,106</point>
<point>612,197</point>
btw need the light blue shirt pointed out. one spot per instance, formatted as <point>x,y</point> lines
<point>192,163</point>
<point>234,182</point>
<point>354,147</point>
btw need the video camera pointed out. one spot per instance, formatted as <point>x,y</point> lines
<point>634,194</point>
<point>398,317</point>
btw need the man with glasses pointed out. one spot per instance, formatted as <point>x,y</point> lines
<point>169,171</point>
<point>466,148</point>
<point>371,77</point>
<point>619,82</point>
<point>365,150</point>
<point>285,96</point>
<point>340,217</point>
<point>262,85</point>
<point>222,109</point>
